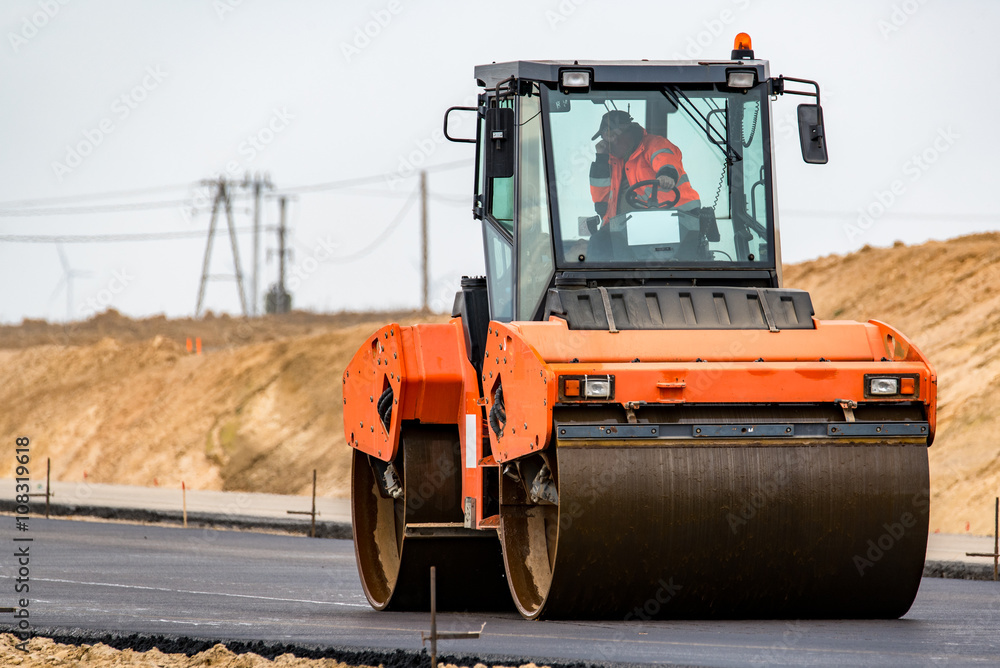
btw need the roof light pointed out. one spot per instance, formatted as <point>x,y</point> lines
<point>742,47</point>
<point>575,79</point>
<point>741,79</point>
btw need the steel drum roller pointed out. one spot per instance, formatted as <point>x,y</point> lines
<point>766,531</point>
<point>398,540</point>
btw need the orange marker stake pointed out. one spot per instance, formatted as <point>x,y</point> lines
<point>189,344</point>
<point>197,343</point>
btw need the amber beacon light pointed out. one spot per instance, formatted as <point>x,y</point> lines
<point>742,47</point>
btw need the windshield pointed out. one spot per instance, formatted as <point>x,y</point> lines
<point>665,177</point>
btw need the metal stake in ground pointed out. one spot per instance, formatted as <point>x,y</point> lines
<point>313,513</point>
<point>996,541</point>
<point>434,636</point>
<point>48,486</point>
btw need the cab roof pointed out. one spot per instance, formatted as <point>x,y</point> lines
<point>620,71</point>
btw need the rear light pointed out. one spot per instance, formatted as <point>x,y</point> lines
<point>587,388</point>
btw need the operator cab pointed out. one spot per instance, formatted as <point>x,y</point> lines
<point>552,217</point>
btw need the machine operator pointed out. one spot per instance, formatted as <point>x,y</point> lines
<point>627,155</point>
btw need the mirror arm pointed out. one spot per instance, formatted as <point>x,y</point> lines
<point>458,139</point>
<point>778,87</point>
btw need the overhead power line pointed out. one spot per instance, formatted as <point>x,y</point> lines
<point>102,238</point>
<point>390,228</point>
<point>95,208</point>
<point>39,207</point>
<point>44,201</point>
<point>363,180</point>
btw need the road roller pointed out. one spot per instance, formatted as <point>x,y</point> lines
<point>630,416</point>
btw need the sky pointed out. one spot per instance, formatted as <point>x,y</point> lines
<point>117,111</point>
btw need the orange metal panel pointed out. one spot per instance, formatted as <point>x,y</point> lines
<point>432,373</point>
<point>374,367</point>
<point>831,340</point>
<point>424,366</point>
<point>742,382</point>
<point>704,366</point>
<point>896,346</point>
<point>529,390</point>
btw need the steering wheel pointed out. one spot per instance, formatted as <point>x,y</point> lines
<point>632,196</point>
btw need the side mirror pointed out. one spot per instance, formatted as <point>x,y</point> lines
<point>811,134</point>
<point>498,144</point>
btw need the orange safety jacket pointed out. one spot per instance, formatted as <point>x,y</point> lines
<point>655,156</point>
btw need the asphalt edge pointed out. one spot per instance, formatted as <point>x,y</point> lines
<point>198,520</point>
<point>958,570</point>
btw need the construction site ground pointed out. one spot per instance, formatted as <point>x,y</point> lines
<point>121,401</point>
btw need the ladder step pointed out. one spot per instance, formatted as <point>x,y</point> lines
<point>441,530</point>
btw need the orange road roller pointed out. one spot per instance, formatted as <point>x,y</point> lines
<point>629,416</point>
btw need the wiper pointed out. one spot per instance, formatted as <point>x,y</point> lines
<point>676,96</point>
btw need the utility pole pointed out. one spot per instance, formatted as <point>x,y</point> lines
<point>278,300</point>
<point>222,197</point>
<point>282,295</point>
<point>423,241</point>
<point>259,184</point>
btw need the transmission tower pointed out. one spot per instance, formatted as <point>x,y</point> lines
<point>222,199</point>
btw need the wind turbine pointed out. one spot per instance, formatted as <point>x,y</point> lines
<point>67,281</point>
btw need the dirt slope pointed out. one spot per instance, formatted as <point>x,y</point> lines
<point>123,401</point>
<point>257,411</point>
<point>945,296</point>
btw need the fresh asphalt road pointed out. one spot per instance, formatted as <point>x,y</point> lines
<point>247,586</point>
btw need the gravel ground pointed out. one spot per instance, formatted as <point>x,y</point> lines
<point>48,653</point>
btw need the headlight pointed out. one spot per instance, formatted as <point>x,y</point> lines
<point>883,385</point>
<point>598,388</point>
<point>582,388</point>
